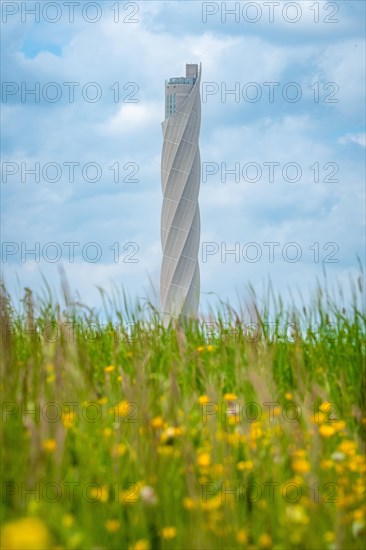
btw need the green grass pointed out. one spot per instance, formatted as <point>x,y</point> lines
<point>153,443</point>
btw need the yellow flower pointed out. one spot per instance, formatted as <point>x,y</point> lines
<point>359,514</point>
<point>102,401</point>
<point>200,349</point>
<point>242,536</point>
<point>68,418</point>
<point>295,537</point>
<point>233,438</point>
<point>230,397</point>
<point>255,432</point>
<point>110,368</point>
<point>299,453</point>
<point>127,497</point>
<point>123,408</point>
<point>288,396</point>
<point>326,430</point>
<point>166,450</point>
<point>112,525</point>
<point>348,447</point>
<point>329,537</point>
<point>245,465</point>
<point>49,445</point>
<point>168,532</point>
<point>346,500</point>
<point>203,399</point>
<point>300,466</point>
<point>326,464</point>
<point>118,450</point>
<point>265,541</point>
<point>67,520</point>
<point>107,432</point>
<point>204,460</point>
<point>318,417</point>
<point>119,378</point>
<point>142,544</point>
<point>297,514</point>
<point>157,422</point>
<point>339,425</point>
<point>357,464</point>
<point>25,534</point>
<point>100,493</point>
<point>212,503</point>
<point>189,503</point>
<point>210,348</point>
<point>326,406</point>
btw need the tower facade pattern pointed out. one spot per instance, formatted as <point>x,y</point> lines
<point>180,178</point>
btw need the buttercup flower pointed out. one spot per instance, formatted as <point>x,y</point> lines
<point>25,534</point>
<point>49,445</point>
<point>141,544</point>
<point>112,525</point>
<point>168,532</point>
<point>123,408</point>
<point>242,536</point>
<point>204,460</point>
<point>203,399</point>
<point>265,541</point>
<point>300,466</point>
<point>326,430</point>
<point>230,397</point>
<point>157,422</point>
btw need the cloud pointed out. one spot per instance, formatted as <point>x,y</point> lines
<point>133,118</point>
<point>359,138</point>
<point>342,63</point>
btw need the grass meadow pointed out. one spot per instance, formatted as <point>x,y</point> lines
<point>241,430</point>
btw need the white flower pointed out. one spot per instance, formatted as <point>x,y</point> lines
<point>148,495</point>
<point>357,527</point>
<point>337,456</point>
<point>170,433</point>
<point>232,408</point>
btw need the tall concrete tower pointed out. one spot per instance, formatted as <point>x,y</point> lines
<point>180,178</point>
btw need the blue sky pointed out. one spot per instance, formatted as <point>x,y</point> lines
<point>323,62</point>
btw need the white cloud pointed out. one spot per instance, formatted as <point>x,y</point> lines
<point>133,117</point>
<point>359,138</point>
<point>342,63</point>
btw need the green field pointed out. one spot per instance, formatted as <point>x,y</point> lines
<point>242,430</point>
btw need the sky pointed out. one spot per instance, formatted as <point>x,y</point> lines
<point>282,143</point>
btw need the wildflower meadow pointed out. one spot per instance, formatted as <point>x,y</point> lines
<point>240,430</point>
